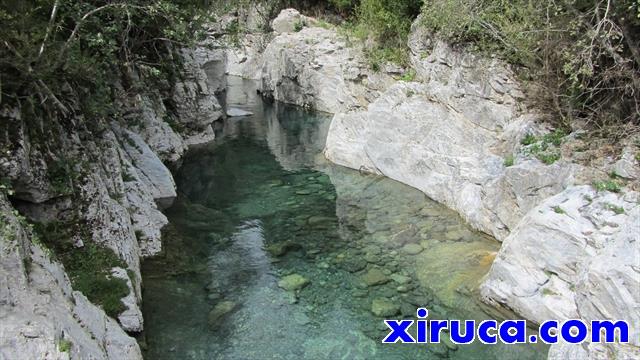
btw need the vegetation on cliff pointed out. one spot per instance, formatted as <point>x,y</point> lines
<point>581,57</point>
<point>62,58</point>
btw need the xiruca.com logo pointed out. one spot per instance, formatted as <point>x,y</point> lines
<point>507,332</point>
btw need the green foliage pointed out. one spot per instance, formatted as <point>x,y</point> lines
<point>582,55</point>
<point>299,25</point>
<point>616,209</point>
<point>61,174</point>
<point>544,148</point>
<point>344,6</point>
<point>64,345</point>
<point>529,139</point>
<point>89,267</point>
<point>387,24</point>
<point>5,187</point>
<point>559,210</point>
<point>55,51</point>
<point>608,185</point>
<point>409,75</point>
<point>509,161</point>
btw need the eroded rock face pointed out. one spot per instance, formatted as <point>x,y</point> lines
<point>110,180</point>
<point>195,103</point>
<point>39,311</point>
<point>415,134</point>
<point>315,68</point>
<point>576,255</point>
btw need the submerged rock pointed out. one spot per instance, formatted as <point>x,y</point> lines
<point>293,282</point>
<point>412,249</point>
<point>384,307</point>
<point>282,248</point>
<point>375,276</point>
<point>220,311</point>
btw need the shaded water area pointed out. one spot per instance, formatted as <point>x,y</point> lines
<point>259,209</point>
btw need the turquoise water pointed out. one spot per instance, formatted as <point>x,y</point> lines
<point>273,253</point>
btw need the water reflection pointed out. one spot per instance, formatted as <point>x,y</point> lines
<point>273,253</point>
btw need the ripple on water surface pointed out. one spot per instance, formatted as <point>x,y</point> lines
<point>272,253</point>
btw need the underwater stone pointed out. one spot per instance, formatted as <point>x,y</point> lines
<point>281,248</point>
<point>293,282</point>
<point>374,277</point>
<point>219,311</point>
<point>384,307</point>
<point>412,249</point>
<point>400,279</point>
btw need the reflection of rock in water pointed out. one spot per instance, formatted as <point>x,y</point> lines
<point>242,262</point>
<point>295,136</point>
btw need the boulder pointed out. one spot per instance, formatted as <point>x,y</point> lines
<point>289,20</point>
<point>412,249</point>
<point>374,276</point>
<point>293,282</point>
<point>384,307</point>
<point>315,68</point>
<point>417,134</point>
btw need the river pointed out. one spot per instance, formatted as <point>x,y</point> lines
<point>274,253</point>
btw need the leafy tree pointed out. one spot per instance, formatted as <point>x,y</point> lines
<point>55,51</point>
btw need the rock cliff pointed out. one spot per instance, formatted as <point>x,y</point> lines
<point>102,183</point>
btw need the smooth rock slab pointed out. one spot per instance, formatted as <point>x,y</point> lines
<point>235,112</point>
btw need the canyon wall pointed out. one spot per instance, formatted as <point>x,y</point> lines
<point>102,183</point>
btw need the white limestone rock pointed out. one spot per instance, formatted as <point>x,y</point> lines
<point>131,318</point>
<point>289,20</point>
<point>576,255</point>
<point>415,135</point>
<point>235,112</point>
<point>38,309</point>
<point>628,166</point>
<point>315,68</point>
<point>149,168</point>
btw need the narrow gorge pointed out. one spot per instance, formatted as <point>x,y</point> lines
<point>278,197</point>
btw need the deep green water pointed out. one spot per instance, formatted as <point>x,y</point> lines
<point>261,203</point>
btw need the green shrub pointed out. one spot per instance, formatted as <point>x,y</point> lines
<point>65,345</point>
<point>409,75</point>
<point>559,210</point>
<point>299,25</point>
<point>528,139</point>
<point>50,58</point>
<point>387,23</point>
<point>616,209</point>
<point>509,160</point>
<point>581,55</point>
<point>608,185</point>
<point>544,148</point>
